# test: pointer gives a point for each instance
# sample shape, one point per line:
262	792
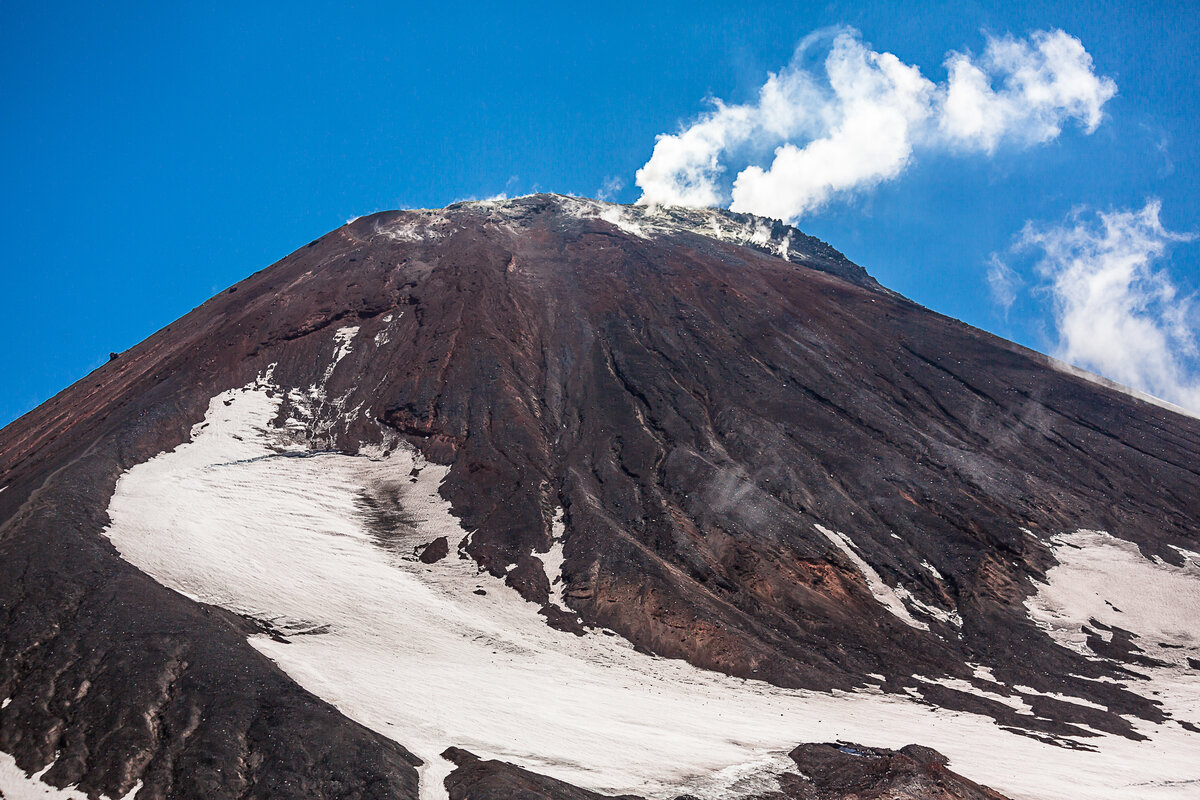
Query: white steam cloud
857	118
1116	312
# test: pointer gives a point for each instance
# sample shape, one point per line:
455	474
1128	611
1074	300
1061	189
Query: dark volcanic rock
845	771
435	551
924	755
693	402
477	779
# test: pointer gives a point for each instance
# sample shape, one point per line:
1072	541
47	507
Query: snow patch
1107	580
880	590
621	217
648	221
342	338
1066	698
966	687
415	226
616	216
314	414
16	785
983	673
951	618
384	335
1100	577
1192	559
236	519
406	231
752	779
552	559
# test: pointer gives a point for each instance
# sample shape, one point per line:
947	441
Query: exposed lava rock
477	779
435	551
846	771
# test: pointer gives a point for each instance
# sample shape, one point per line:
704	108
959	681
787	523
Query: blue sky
153	155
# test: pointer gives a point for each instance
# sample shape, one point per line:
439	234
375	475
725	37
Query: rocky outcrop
847	771
484	779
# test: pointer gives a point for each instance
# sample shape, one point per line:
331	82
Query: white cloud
1043	82
879	102
611	187
1115	311
1004	283
857	119
684	167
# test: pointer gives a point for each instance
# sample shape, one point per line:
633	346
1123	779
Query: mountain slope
706	433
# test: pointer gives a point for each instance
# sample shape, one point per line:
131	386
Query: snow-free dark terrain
594	500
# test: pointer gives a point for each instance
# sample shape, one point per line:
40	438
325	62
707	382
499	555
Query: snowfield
16	785
1100	578
244	517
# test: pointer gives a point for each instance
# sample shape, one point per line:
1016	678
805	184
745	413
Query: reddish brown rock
478	779
847	771
435	551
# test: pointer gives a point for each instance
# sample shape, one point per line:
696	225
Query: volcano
554	498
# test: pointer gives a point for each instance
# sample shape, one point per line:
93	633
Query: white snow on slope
414	226
983	673
342	338
313	413
385	333
880	590
617	216
1066	698
552	560
897	599
1107	579
1100	577
966	687
16	785
647	222
410	651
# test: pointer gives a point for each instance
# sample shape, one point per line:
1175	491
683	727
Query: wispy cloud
612	186
1004	283
858	117
1116	310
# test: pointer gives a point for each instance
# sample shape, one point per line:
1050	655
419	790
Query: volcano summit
552	498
